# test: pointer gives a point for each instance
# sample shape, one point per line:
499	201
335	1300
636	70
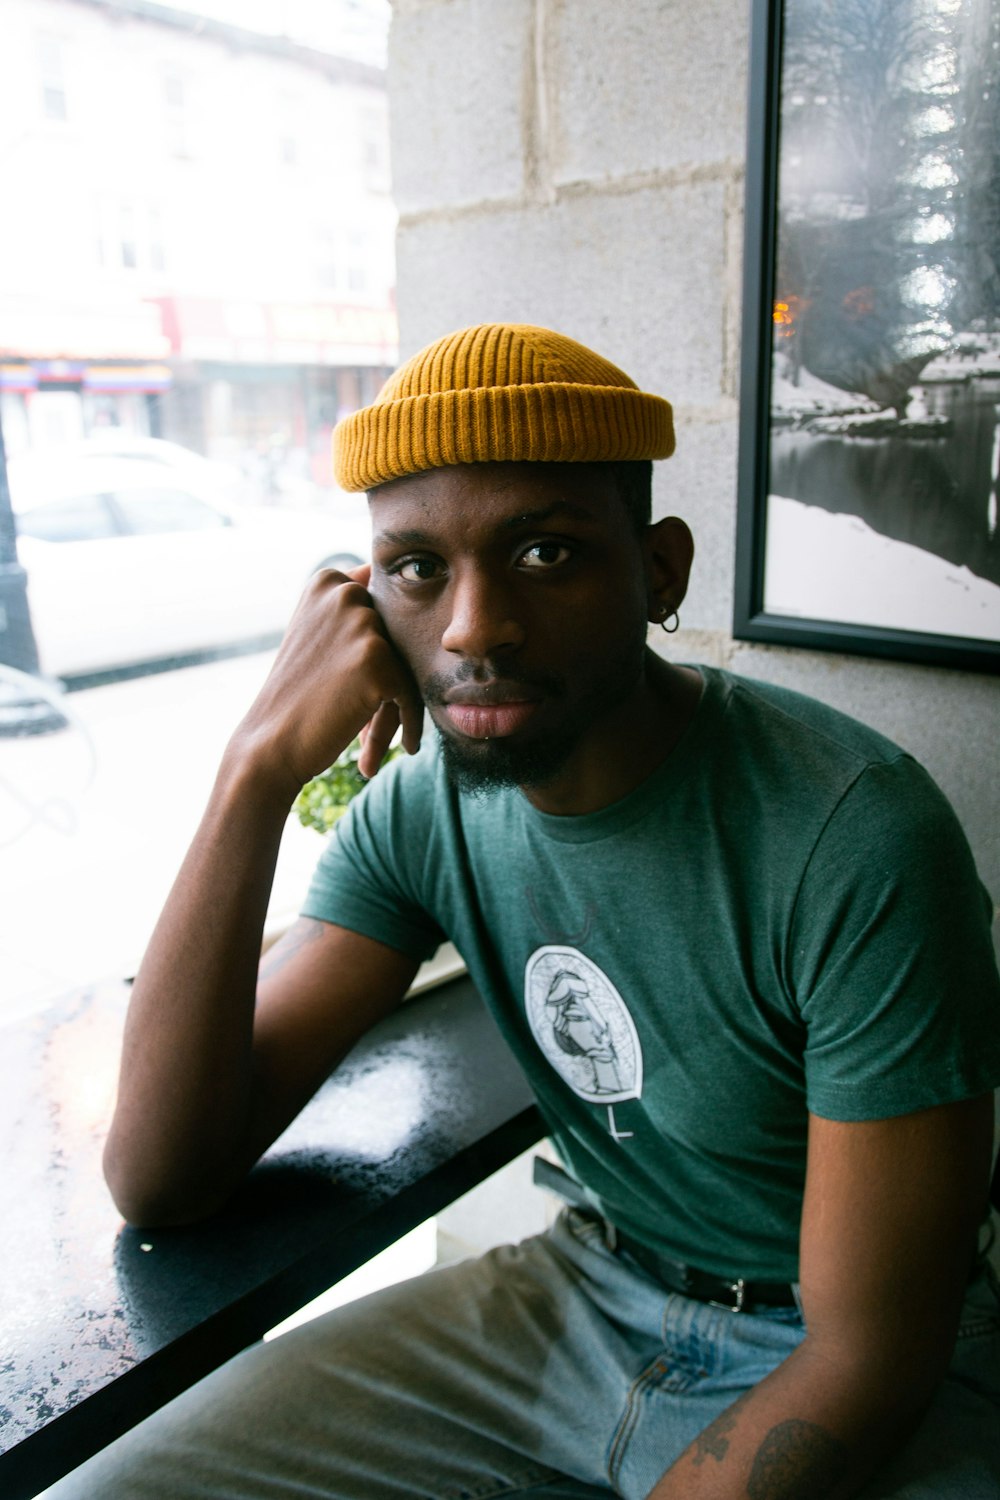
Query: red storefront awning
313	333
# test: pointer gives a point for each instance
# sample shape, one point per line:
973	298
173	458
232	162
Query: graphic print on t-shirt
582	1025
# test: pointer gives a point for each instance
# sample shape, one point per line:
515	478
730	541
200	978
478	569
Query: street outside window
203	287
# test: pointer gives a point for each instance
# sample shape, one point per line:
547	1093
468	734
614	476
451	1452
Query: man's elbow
149	1200
892	1372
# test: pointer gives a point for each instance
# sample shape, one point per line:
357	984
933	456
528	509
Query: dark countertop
101	1323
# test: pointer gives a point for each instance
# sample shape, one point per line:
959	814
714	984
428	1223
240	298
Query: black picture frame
753	620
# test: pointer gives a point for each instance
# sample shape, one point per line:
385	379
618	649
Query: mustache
438	685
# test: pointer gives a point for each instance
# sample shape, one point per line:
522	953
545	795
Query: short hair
632	478
634	482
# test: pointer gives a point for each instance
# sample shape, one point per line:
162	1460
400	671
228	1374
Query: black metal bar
758	295
17	639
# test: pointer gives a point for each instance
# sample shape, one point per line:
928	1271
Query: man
735	939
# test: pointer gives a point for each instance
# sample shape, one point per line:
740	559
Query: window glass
49	61
82	518
203	287
145	512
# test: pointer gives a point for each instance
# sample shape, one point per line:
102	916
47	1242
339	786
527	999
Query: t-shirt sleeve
890	955
370	875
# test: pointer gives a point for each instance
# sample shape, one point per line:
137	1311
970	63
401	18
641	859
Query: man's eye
544	555
417	569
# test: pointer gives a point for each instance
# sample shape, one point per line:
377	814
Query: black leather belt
739	1295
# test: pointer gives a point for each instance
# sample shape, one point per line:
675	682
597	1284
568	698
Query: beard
480	768
491	766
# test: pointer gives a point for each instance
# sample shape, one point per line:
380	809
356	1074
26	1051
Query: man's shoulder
764	713
857	807
797	761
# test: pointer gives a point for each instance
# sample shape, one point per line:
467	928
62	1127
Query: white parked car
113	442
130	561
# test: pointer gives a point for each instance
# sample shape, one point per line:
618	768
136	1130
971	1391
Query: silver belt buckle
739	1291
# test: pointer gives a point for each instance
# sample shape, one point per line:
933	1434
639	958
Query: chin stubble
494	765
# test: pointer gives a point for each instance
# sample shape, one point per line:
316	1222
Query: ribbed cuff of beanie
550	423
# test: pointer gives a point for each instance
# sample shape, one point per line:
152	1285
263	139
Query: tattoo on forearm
299	936
797	1461
714	1441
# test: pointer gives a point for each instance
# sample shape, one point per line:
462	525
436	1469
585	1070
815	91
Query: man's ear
670	552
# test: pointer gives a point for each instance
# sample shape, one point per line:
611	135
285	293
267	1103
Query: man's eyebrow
403	539
414	538
537	517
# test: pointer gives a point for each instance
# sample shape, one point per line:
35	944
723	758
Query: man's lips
486	711
489	721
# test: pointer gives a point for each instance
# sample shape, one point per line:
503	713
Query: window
357	263
132	236
289	127
175	115
326	256
147	512
373	142
50	72
83	518
154	240
179	386
128	255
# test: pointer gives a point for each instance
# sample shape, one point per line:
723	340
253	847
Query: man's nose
484	618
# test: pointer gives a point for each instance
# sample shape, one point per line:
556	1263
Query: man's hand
336	675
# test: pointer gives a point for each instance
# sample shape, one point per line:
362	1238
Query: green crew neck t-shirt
783	917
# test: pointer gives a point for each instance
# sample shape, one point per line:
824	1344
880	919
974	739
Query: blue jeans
554	1368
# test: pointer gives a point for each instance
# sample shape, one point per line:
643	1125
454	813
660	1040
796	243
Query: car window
81	518
146	512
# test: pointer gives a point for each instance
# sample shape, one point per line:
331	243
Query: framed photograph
870	406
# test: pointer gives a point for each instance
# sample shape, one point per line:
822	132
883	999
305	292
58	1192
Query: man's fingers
411	714
377	737
338	637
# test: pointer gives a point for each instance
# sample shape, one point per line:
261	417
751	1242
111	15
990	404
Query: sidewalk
95	819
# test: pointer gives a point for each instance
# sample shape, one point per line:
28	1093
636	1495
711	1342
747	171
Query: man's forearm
185	1092
185	1129
811	1430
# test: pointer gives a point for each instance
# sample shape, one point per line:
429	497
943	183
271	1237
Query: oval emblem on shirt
582	1025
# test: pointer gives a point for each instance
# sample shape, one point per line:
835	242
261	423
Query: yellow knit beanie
500	391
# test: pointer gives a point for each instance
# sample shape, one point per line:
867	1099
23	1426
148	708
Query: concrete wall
580	164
